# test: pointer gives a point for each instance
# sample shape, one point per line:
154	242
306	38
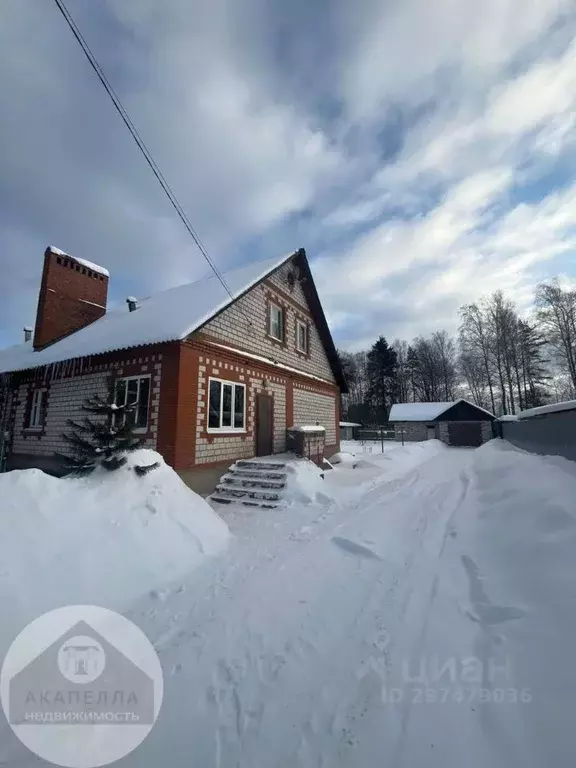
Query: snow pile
105	539
305	484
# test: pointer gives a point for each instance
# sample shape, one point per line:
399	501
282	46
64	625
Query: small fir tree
102	441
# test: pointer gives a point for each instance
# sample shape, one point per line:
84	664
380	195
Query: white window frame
302	324
35	420
120	422
231	428
280	309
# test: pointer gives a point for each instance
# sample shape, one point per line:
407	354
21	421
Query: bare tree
475	346
444	351
404	391
556	314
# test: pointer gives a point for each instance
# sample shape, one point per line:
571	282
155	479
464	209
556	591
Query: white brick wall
214	448
244	326
66	397
310	407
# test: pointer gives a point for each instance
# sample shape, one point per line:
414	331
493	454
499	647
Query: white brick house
217	378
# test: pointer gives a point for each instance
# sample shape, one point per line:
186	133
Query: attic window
301	336
276	322
58	260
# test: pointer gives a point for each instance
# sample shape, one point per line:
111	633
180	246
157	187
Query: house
216	378
455	423
348	430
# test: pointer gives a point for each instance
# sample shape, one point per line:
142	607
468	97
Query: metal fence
550	434
374	434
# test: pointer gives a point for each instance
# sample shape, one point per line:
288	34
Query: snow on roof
57	251
426	411
417	411
308	428
83	262
349	424
508	417
567	405
167	316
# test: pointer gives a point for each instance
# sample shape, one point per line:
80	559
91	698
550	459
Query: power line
139	141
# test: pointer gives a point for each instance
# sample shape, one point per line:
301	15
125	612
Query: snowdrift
104	539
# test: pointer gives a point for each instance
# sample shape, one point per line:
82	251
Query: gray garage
458	423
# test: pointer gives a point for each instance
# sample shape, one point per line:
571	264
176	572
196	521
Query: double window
301	336
226	406
37	412
276	322
133	390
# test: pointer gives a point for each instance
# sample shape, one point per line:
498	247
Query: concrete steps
253	484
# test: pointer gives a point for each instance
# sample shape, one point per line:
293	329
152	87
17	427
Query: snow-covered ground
420	612
105	539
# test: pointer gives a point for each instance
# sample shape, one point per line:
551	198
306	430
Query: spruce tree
105	440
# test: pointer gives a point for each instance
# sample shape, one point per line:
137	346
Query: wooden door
264	425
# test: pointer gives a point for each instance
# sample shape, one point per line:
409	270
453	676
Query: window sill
275	340
140	431
33	429
225	431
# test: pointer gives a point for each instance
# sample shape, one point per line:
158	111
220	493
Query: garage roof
426	411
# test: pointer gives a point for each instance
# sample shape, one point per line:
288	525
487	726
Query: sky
424	153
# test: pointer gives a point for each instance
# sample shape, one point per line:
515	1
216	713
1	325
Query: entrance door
264	425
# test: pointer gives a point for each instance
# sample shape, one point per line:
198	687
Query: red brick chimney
73	294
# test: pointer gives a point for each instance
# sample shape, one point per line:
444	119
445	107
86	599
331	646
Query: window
301	336
133	390
226	406
37	409
276	326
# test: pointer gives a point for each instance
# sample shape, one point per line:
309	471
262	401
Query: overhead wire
140	142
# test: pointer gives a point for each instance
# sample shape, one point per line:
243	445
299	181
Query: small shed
459	423
348	430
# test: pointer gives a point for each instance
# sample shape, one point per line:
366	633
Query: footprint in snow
354	548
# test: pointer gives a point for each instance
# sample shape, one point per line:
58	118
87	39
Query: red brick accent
168	409
71	297
289	403
187	408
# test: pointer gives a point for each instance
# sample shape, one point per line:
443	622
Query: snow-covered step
251	474
234	480
256	465
232	492
252	483
245	502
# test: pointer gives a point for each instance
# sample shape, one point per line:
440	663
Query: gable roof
171	315
426	411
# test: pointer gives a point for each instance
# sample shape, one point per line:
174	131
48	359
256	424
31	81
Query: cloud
412	147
